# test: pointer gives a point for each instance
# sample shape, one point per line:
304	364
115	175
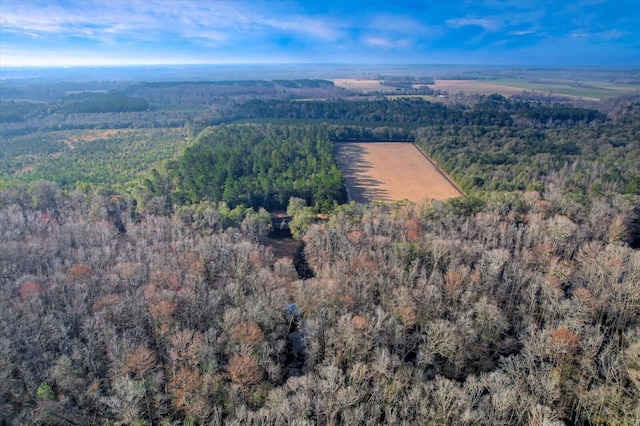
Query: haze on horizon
137	32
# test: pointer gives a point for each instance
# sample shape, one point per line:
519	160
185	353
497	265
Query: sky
487	32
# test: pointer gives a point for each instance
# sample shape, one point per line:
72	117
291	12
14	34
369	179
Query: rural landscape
477	252
317	223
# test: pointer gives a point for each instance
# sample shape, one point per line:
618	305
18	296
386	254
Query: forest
138	285
416	112
255	166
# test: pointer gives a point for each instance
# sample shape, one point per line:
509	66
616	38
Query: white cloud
387	43
316	27
391	31
489	24
207	23
378	42
396	23
523	32
579	34
292	28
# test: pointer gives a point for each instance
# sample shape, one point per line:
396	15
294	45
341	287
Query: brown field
506	87
392	171
451	86
483	87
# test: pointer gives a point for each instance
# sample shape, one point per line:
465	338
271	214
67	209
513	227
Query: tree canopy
254	165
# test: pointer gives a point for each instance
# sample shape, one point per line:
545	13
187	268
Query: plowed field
392	171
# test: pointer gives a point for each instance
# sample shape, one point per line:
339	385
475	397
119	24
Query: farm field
589	90
475	86
391	171
509	87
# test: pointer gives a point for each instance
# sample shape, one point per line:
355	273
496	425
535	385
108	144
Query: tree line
494	110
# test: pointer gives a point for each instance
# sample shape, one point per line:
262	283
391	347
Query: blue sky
501	32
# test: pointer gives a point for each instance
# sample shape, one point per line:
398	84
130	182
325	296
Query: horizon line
223	64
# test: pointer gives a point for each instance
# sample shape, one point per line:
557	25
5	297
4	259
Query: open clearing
508	87
392	171
591	90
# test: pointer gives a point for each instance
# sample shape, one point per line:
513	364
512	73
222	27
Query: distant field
391	171
512	86
597	91
507	87
481	87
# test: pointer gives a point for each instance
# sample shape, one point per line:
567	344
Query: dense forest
599	158
416	111
138	285
256	166
523	309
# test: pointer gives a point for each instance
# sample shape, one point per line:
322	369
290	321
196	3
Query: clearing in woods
392	171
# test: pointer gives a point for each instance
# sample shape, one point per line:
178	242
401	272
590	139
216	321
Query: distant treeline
201	104
298	83
18	111
89	102
102	102
399	111
220	92
496	111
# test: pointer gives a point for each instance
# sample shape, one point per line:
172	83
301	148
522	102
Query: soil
392	171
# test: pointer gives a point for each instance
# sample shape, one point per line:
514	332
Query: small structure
280	227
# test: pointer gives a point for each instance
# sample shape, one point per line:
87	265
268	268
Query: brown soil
392	171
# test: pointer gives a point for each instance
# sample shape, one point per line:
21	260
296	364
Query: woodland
138	285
